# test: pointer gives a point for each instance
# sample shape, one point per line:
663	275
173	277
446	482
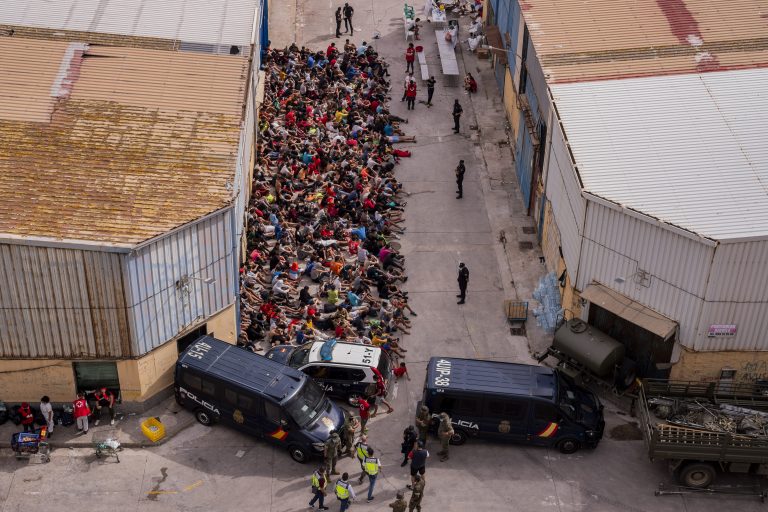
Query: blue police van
512	402
223	383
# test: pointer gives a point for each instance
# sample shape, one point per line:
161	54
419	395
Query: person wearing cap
104	398
417	493
399	505
331	451
423	420
444	433
319	483
463	282
460	170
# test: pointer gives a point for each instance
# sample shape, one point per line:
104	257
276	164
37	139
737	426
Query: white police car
344	370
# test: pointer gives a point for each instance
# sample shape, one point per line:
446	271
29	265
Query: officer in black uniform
463	281
460	170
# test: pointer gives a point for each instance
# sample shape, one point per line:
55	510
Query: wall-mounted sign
721	330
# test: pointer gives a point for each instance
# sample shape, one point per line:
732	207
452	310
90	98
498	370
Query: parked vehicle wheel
204	417
459	437
568	446
298	453
697	474
352	399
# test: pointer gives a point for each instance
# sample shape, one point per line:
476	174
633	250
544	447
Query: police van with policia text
512	402
223	383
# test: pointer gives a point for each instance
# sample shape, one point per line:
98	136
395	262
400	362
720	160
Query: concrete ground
220	469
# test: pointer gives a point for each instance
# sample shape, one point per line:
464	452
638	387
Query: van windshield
572	400
307	404
300	357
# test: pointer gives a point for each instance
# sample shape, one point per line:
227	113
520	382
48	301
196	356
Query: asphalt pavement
217	468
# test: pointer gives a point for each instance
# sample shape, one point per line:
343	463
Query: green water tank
589	346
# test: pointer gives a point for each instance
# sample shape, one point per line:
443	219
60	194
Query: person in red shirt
410	96
400	371
364	407
27	418
81	412
104	398
410	55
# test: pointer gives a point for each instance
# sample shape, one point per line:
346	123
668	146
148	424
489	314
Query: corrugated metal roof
227	22
688	150
607	39
114	145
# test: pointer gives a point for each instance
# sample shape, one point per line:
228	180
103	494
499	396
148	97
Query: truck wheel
568	446
204	417
298	453
459	437
698	475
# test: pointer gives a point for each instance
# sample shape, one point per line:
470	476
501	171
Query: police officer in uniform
460	170
445	433
372	465
319	483
331	452
361	451
422	423
399	505
463	282
417	494
348	434
344	492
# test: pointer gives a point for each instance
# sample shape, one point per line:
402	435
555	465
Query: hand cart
28	445
106	444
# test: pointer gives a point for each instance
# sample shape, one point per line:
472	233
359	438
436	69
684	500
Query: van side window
209	387
192	381
357	375
513	410
317	372
466	406
545	412
272	412
239	400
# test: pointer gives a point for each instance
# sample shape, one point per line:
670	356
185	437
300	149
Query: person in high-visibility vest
361	452
344	492
319	483
372	465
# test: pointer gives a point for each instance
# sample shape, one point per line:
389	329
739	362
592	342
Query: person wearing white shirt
47	411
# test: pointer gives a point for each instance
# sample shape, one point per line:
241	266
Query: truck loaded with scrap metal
703	429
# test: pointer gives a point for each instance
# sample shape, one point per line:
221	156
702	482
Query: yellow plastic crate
153	428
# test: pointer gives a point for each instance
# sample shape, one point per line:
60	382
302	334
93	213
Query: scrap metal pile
702	415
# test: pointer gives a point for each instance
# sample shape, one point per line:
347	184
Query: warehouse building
126	153
639	149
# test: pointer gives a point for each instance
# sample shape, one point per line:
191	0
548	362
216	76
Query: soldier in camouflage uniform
445	433
348	434
399	505
332	451
418	493
422	422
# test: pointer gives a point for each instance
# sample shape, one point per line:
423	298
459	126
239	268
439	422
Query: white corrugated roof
689	150
227	22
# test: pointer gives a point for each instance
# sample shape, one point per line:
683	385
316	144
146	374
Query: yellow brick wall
222	325
510	105
706	366
28	380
